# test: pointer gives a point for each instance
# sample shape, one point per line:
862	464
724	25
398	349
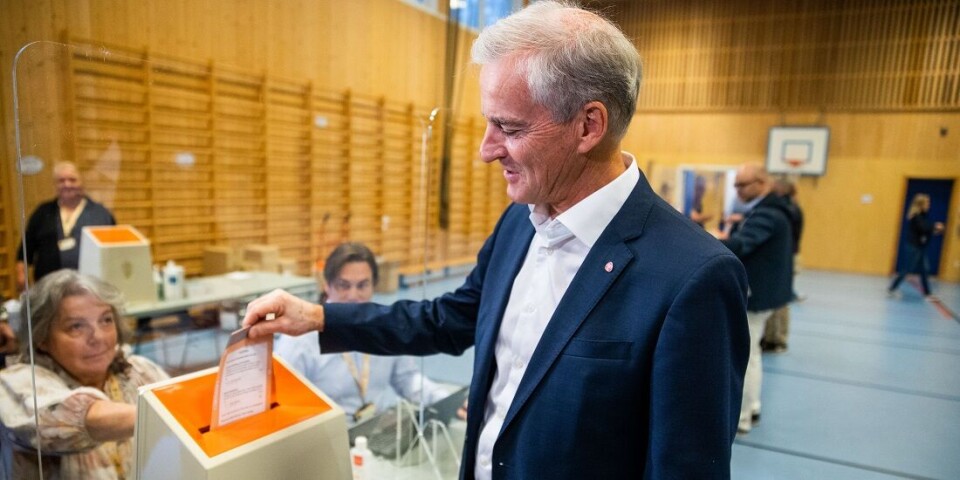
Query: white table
239	286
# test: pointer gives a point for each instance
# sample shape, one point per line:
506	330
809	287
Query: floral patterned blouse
68	450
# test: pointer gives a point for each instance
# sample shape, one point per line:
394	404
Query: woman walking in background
921	229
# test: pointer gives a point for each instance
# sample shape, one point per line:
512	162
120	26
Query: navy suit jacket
763	242
639	372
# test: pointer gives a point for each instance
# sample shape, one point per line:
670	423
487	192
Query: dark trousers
918	264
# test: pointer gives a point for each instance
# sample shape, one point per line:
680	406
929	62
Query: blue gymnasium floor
869	389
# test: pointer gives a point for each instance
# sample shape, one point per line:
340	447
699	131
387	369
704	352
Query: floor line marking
853	383
796	453
937	303
878	343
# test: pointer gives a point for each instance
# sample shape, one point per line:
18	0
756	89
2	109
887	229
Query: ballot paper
245	379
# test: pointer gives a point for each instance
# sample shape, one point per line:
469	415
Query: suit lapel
503	269
588	287
504	265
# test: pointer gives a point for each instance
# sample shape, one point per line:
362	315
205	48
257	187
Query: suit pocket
598	349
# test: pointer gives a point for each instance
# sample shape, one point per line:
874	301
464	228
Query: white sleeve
302	353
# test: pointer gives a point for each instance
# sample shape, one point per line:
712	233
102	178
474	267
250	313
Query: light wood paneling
882	74
243	83
197	154
870	154
819	54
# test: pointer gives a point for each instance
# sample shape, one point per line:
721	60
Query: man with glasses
762	240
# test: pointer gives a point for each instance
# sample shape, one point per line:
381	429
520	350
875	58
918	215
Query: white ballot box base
120	256
302	435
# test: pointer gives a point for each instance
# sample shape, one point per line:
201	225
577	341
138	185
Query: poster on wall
708	196
663	179
798	150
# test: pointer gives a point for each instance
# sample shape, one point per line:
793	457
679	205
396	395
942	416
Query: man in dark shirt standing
53	231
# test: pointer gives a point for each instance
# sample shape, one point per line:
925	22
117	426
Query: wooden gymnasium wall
310	136
884	75
271	161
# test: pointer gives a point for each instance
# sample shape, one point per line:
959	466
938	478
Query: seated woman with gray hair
86	384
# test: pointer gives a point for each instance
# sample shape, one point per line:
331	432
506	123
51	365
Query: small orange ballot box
302	435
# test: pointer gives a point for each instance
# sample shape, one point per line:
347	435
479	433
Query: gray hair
569	57
49	292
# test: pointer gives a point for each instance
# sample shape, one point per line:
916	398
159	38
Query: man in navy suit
610	331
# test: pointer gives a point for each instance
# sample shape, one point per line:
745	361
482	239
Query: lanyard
362	380
113	390
70	220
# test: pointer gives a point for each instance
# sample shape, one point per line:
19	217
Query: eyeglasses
740	185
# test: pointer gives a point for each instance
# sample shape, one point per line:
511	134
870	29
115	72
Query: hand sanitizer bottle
360	457
172	281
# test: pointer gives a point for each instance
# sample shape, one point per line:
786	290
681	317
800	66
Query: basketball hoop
794	162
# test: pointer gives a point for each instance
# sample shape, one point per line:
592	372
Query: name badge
68	243
365	412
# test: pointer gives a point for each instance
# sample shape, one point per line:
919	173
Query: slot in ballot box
302	435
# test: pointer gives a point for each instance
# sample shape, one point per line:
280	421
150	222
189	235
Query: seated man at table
361	384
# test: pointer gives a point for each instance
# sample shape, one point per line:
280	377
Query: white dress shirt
331	374
556	252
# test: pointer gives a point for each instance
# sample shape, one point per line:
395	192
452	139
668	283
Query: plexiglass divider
233	184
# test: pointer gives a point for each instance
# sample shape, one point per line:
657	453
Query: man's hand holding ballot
291	315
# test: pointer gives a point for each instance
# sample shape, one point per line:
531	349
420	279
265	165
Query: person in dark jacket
775	337
921	229
53	231
762	240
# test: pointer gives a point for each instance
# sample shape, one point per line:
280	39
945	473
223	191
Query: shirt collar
753	203
588	218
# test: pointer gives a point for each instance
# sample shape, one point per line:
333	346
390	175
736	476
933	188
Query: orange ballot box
302	435
119	255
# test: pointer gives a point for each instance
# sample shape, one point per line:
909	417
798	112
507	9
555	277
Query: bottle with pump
172	281
360	457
